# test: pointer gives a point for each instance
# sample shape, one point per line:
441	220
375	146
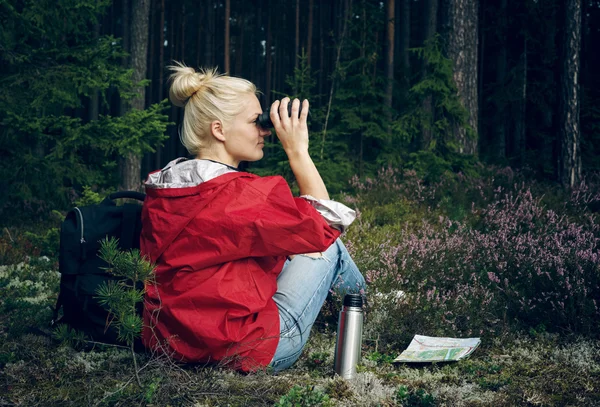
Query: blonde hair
206	96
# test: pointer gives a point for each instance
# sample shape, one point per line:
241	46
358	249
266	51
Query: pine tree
54	63
446	113
123	298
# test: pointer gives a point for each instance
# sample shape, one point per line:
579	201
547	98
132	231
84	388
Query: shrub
512	261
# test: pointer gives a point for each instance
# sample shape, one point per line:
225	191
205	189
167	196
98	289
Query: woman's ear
216	128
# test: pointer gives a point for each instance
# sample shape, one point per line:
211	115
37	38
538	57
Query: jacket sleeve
335	213
281	224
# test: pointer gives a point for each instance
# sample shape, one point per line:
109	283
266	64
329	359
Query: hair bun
185	82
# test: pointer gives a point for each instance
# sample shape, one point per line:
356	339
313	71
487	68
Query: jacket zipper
82	240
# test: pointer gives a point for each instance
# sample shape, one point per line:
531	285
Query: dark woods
398	83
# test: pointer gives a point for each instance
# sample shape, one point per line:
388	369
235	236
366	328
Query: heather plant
510	261
541	264
427	186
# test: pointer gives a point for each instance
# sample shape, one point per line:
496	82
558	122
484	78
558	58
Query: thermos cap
353	300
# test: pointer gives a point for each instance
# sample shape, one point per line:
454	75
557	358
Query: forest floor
526	369
541	371
445	244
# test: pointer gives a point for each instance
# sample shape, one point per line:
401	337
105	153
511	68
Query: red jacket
219	247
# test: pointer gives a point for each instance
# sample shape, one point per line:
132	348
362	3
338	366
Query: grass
545	370
516	364
532	368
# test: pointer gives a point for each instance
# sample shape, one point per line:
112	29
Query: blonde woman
243	267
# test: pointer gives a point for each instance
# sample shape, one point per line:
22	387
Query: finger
304	111
283	111
274	114
295	108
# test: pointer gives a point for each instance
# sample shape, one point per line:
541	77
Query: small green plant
380	358
305	396
69	337
317	359
414	398
402	394
122	298
151	389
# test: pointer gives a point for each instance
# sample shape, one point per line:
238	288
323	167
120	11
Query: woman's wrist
297	153
307	176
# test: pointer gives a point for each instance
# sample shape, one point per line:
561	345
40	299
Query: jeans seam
300	315
295	355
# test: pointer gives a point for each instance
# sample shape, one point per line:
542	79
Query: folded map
432	349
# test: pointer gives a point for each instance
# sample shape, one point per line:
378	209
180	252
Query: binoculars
264	120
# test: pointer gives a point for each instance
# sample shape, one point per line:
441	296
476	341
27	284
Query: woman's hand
291	131
293	134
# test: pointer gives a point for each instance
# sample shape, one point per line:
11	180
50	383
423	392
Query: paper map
431	349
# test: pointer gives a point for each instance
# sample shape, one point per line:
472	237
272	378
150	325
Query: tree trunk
181	42
430	28
256	41
463	40
94	109
139	64
309	34
321	69
239	47
161	73
498	132
519	134
480	76
570	143
148	159
404	42
131	167
297	44
227	33
269	61
363	41
389	65
347	12
126	32
200	29
208	35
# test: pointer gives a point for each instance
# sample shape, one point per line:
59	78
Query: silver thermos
349	337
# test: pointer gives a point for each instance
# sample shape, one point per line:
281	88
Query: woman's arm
293	134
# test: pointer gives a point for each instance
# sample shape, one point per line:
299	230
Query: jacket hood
184	173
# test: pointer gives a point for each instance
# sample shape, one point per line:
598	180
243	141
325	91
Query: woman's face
244	138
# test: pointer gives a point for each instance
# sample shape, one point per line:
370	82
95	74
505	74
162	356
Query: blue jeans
302	288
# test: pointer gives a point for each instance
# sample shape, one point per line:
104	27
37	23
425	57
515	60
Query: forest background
464	133
404	83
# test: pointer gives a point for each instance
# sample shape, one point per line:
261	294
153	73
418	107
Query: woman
228	287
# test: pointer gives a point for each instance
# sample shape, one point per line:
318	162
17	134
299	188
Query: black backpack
82	270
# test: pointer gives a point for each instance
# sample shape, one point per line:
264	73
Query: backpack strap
128	225
130	217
